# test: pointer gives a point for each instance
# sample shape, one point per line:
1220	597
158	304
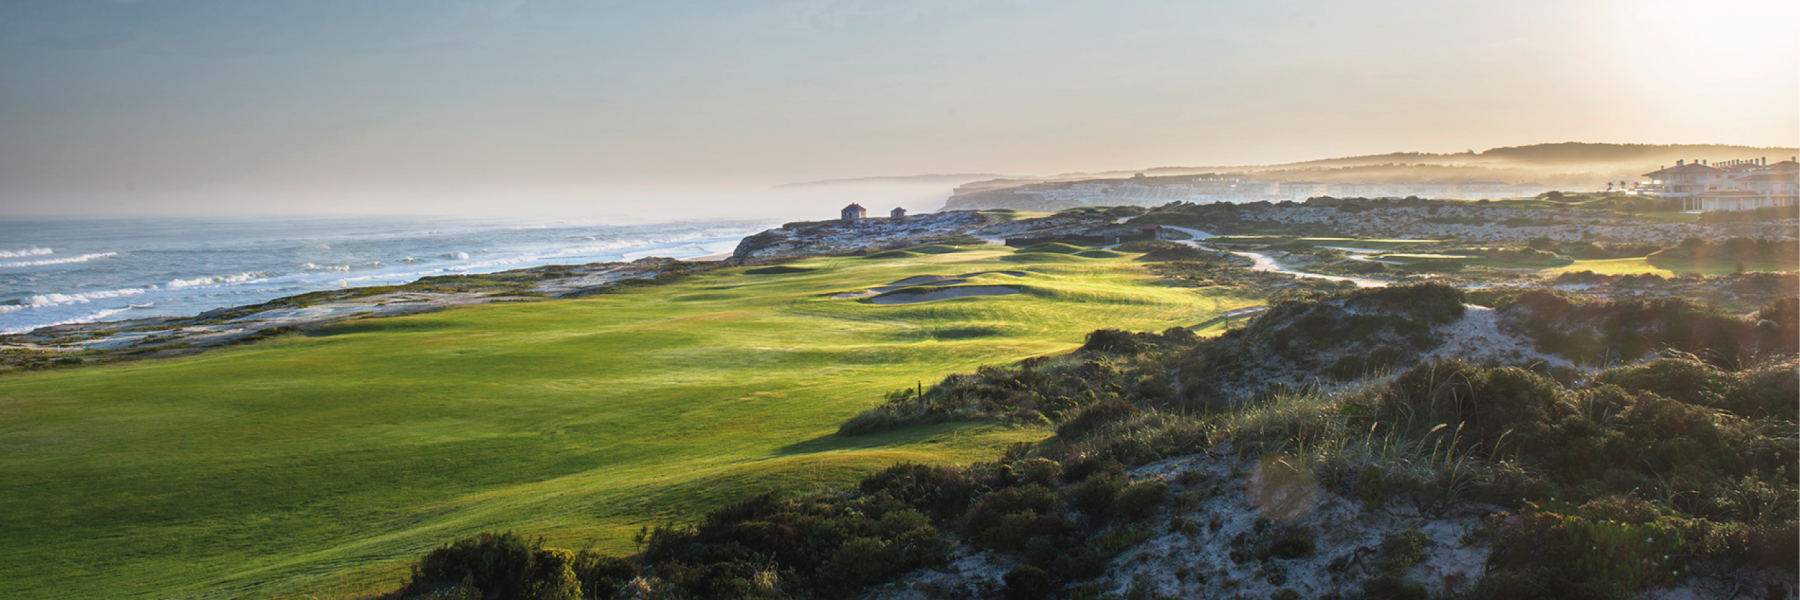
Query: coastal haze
705	109
813	299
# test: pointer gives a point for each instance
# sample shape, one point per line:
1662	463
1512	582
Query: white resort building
1730	185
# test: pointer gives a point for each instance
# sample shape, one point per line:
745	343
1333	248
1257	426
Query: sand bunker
963	291
921	280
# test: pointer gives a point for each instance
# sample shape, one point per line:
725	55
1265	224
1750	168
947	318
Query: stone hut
853	212
897	212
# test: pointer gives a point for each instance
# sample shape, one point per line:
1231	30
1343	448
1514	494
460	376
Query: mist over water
69	271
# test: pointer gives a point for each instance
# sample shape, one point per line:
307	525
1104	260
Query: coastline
72	344
109	341
79	272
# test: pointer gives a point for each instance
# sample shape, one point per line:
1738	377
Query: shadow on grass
904	436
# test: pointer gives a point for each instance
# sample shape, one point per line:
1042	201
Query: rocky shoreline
75	344
108	341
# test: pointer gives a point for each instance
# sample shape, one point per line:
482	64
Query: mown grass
1007	214
318	465
1636	266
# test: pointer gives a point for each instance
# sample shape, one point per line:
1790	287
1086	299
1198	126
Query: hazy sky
175	106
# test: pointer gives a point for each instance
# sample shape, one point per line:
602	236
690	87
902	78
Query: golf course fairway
321	464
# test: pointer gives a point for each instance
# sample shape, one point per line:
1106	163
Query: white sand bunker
961	291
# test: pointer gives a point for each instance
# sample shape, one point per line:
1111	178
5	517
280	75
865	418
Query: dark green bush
1028	583
1005	518
1110	340
602	576
1139	499
1399	552
1094	418
503	565
1096	494
1295	544
1585	557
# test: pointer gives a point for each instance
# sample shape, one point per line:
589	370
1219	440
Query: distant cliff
1509	172
825	237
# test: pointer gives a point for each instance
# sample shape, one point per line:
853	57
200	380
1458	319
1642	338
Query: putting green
320	465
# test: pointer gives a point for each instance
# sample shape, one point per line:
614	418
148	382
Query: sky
176	107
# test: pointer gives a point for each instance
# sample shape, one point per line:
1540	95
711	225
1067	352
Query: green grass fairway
321	464
1007	214
1635	266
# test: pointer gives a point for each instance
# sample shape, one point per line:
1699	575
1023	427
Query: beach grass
320	465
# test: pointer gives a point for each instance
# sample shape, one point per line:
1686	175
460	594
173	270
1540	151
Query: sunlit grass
1637	266
321	464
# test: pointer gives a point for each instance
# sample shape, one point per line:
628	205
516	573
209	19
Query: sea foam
25	252
56	261
43	300
216	280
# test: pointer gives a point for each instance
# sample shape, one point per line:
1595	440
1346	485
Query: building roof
1687	169
855	206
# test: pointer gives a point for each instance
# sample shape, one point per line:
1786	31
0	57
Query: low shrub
500	565
1139	499
1599	557
1027	582
1400	552
1095	495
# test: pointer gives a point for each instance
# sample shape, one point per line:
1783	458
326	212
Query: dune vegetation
320	464
1666	466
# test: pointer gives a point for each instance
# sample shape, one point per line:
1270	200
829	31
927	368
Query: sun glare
1673	54
1741	32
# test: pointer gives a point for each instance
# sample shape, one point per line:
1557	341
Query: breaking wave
25	252
56	261
43	300
218	280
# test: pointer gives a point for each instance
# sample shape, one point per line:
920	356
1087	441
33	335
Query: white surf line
57	261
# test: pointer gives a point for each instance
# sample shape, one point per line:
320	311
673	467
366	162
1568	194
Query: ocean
80	271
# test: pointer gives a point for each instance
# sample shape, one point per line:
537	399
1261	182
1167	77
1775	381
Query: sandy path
1264	262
